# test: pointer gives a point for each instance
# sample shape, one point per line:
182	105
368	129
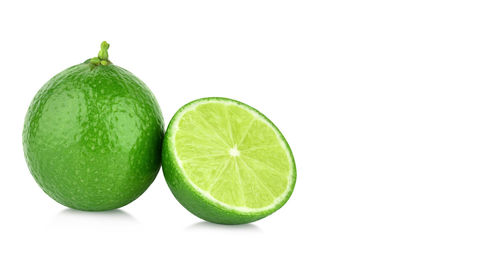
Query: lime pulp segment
233	155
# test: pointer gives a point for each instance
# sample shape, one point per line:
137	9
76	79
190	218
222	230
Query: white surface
391	109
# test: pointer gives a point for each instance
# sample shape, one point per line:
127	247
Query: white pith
233	152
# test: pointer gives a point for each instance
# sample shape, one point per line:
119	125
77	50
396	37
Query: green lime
226	162
92	136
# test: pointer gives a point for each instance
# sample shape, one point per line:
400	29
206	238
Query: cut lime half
226	162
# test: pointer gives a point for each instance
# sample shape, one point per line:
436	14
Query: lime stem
102	57
103	53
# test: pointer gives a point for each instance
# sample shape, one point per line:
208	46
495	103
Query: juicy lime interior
232	154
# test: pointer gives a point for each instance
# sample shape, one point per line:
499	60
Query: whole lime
92	136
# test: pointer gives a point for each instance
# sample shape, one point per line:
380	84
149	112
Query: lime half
226	162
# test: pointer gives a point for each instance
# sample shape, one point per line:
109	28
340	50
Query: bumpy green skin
192	199
92	137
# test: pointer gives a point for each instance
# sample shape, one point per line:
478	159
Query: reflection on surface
206	226
116	214
107	219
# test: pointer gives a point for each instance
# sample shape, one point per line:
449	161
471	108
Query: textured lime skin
192	199
92	137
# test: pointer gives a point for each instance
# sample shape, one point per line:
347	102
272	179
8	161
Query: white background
391	109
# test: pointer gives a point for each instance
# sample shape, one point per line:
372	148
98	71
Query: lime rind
243	214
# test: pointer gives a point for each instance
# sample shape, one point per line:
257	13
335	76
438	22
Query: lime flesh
226	162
